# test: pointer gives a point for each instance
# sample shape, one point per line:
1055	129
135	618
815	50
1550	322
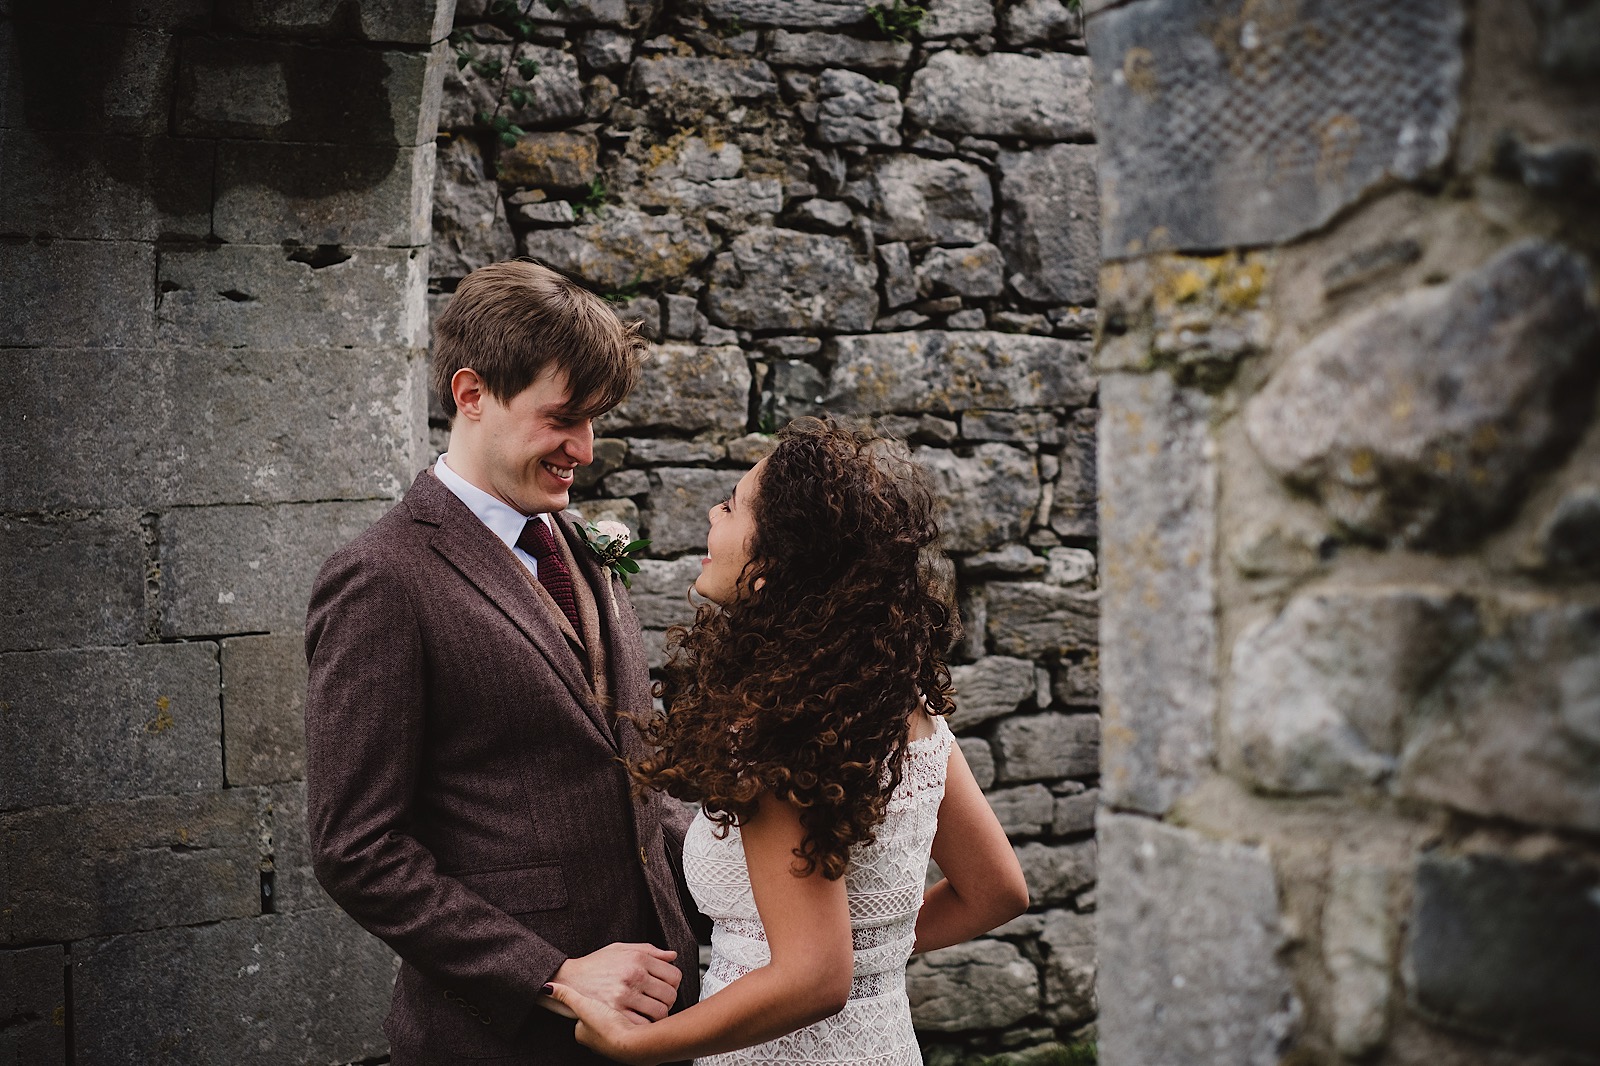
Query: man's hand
636	979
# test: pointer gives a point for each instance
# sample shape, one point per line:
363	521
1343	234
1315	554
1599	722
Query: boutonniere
609	541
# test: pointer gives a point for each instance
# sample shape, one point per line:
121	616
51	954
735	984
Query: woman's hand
613	1033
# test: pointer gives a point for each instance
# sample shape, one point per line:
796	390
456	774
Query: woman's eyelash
726	505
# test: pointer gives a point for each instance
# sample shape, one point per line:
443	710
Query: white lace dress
884	883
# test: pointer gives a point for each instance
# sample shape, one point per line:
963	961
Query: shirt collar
503	520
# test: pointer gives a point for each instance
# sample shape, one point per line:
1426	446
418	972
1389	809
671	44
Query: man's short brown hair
509	321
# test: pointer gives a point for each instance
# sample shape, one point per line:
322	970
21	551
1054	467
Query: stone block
389	22
683	88
976	271
773	278
982	984
280	91
1039	746
660	592
680	497
913	198
1050	222
1003	94
837	50
794	389
854	109
688	388
94	79
1024	811
263	709
987	497
470	228
980	759
101	724
1031	619
989	688
555	95
1039	22
230	295
249	569
1071	568
74	872
1189	937
664	451
790	13
899	283
1008	560
1219	129
1569	539
293	885
1074	510
33	1000
1512	728
1055	872
317	194
308	987
590	12
1423	419
949	372
1069	967
70	581
619	247
952	18
1078	681
552	160
1198	315
1158	481
74	294
122	188
605	50
1075	813
165	14
1505	948
1358	942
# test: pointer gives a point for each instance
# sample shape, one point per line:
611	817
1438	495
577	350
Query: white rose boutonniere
610	541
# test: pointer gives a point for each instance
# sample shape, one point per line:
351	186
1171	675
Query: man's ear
467	388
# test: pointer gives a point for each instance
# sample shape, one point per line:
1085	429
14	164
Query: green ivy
515	21
591	200
899	20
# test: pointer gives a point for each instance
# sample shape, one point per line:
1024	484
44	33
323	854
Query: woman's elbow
830	990
1014	899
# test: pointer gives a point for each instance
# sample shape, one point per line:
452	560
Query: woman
804	714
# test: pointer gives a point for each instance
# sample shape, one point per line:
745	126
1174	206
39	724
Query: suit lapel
619	628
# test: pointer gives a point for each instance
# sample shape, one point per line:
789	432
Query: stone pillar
212	252
1350	476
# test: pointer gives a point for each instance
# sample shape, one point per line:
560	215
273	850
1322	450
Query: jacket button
642	860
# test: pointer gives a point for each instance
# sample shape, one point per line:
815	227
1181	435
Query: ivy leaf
462	61
518	97
508	139
528	68
522	28
515	130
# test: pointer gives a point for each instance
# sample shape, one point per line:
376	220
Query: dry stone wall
810	214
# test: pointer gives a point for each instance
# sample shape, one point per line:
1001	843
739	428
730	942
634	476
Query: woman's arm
807	921
982	885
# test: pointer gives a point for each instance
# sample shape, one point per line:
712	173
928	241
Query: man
472	665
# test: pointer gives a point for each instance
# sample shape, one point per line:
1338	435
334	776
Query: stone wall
809	214
1350	489
213	227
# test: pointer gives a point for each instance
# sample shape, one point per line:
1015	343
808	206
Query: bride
804	714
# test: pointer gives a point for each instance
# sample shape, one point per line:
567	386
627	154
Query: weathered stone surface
977	272
989	688
688	175
1046	746
130	92
1321	692
76	294
837	49
1050	222
988	497
591	12
1358	949
951	18
1023	811
315	194
948	372
293	885
684	87
1421	419
980	759
675	520
72	872
1038	22
690	389
1069	967
1188	941
1074	510
1070	568
794	388
982	984
918	199
556	160
70	581
605	50
660	591
263	708
1008	560
784	279
108	723
554	95
899	283
792	13
824	214
1158	506
1034	619
1512	728
470	228
1003	94
243	569
1220	128
664	451
623	247
854	109
1569	540
1055	871
1198	315
1038	427
308	987
33	1000
1078	681
1478	919
1075	813
400	23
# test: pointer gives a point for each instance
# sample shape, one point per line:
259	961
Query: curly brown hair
804	686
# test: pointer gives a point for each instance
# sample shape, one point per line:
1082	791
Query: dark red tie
539	542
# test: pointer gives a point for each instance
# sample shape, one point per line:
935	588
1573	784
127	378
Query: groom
471	666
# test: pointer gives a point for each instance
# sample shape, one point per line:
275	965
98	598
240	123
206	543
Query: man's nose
580	444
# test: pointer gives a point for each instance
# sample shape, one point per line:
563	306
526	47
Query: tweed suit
465	787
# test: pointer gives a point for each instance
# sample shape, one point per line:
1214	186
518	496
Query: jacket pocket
519	889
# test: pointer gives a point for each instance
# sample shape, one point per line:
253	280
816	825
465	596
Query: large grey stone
899	283
1050	222
836	49
1221	126
1023	811
989	688
1569	539
949	372
248	569
1422	419
686	88
660	591
33	1000
952	18
555	95
982	984
696	180
263	709
688	389
1046	746
1038	620
1200	316
1321	692
622	247
1074	510
77	294
293	884
1075	813
792	13
306	987
1003	94
323	193
854	109
108	723
977	271
1188	944
470	228
1506	948
676	519
988	497
918	199
1054	872
1039	22
73	872
1069	966
1158	483
128	91
784	279
392	21
1359	932
980	759
71	581
794	388
1512	729
559	159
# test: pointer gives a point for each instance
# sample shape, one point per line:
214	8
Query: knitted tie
539	542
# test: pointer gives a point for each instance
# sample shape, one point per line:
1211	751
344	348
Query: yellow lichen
163	720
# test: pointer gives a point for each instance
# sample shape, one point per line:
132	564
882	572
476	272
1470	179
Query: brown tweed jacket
466	793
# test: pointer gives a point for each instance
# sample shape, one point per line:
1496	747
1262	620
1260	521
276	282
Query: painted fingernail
548	990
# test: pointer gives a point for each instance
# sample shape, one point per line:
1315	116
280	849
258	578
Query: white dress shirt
503	520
